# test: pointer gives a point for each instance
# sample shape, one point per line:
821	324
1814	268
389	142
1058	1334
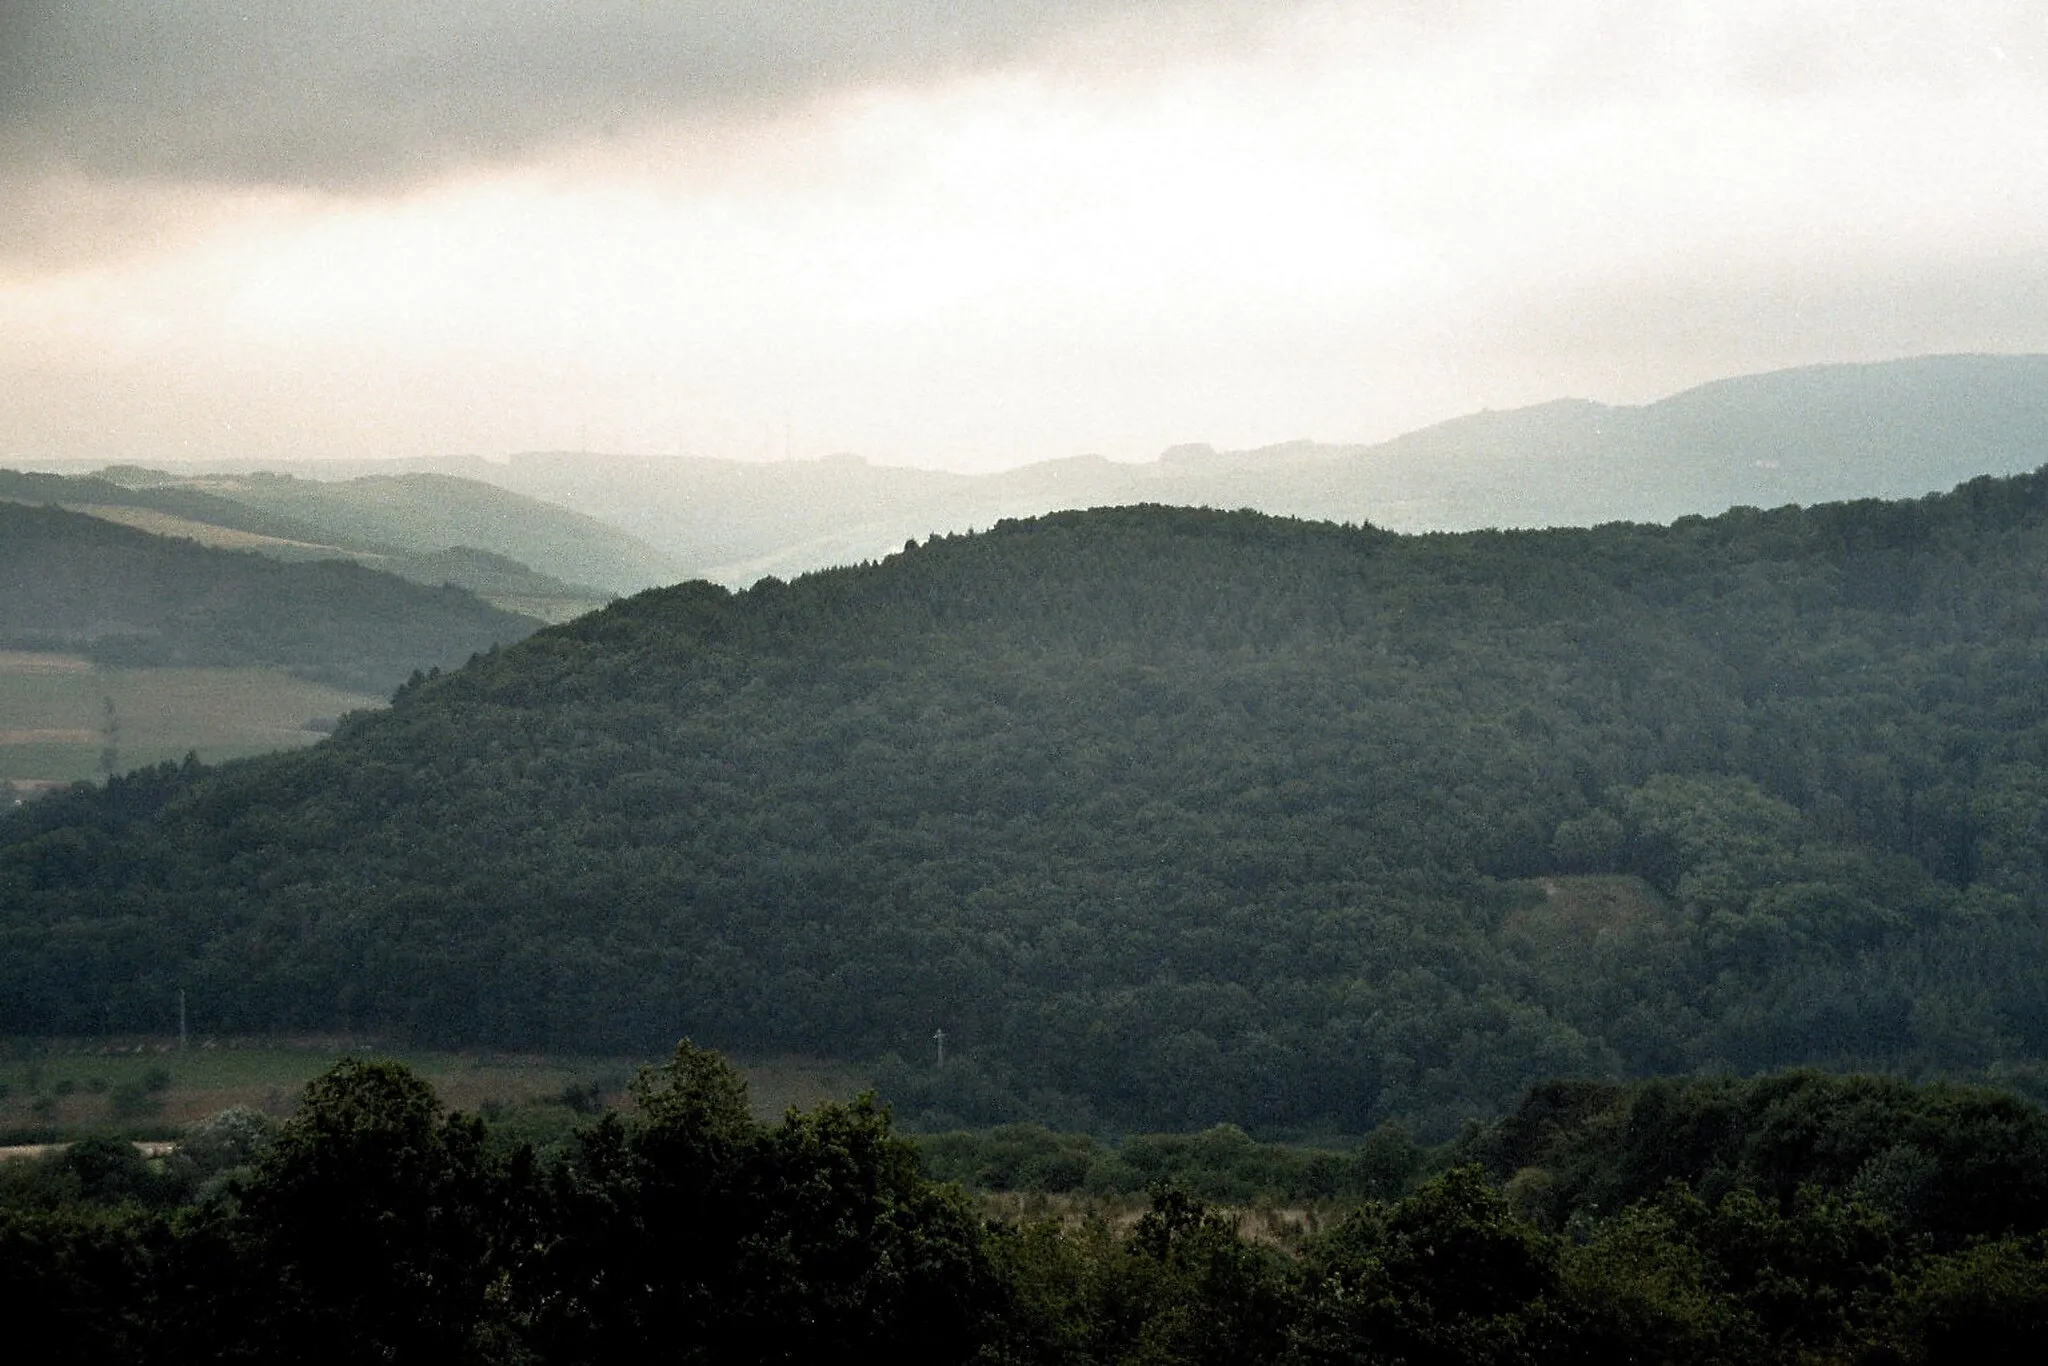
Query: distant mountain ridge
1809	435
1815	434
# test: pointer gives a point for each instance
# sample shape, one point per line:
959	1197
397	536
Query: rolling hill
168	505
1818	434
1163	816
126	598
426	513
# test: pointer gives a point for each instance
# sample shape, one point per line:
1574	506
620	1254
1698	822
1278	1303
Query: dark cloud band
346	92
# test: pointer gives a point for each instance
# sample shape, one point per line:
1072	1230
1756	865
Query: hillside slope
168	505
423	513
108	491
1163	816
124	597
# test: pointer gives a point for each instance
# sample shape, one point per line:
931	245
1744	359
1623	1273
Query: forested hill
1164	816
125	597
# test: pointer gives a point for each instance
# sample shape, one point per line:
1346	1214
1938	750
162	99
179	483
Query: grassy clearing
775	1085
552	610
62	1090
1580	918
59	715
1276	1225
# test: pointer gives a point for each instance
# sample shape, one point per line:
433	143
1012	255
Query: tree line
373	1225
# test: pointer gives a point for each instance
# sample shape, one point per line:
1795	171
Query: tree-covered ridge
131	599
1164	816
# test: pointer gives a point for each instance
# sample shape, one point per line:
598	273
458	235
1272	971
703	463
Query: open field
65	1089
59	715
1582	919
204	533
1280	1225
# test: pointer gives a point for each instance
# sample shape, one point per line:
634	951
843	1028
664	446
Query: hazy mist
974	238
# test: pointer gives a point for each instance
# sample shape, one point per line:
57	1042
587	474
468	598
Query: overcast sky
976	234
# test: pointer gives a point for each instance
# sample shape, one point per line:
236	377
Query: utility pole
939	1037
182	1038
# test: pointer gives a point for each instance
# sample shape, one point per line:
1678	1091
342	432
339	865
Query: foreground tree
371	1219
691	1233
1448	1277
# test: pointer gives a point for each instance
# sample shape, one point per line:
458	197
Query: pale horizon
198	465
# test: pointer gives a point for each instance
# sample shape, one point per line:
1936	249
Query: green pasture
59	1090
59	714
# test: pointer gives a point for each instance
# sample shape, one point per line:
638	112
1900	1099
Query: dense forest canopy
1164	816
